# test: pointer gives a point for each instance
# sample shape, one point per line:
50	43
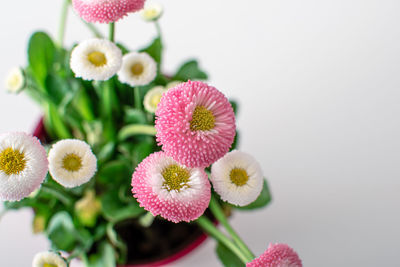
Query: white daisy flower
15	80
151	11
137	69
48	259
237	178
72	162
96	59
152	98
23	165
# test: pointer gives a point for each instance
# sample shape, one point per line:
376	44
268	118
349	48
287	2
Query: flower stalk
63	21
209	227
217	211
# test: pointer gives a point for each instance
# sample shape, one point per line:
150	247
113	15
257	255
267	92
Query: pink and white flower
164	187
277	255
195	124
23	165
106	11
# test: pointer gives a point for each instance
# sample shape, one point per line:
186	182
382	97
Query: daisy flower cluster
24	164
124	150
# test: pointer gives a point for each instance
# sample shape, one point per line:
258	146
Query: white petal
72	178
230	192
86	70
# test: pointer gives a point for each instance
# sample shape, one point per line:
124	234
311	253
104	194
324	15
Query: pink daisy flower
195	124
106	11
164	187
277	255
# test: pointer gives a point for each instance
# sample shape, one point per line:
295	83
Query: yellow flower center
175	177
202	119
150	13
14	81
155	99
72	162
49	265
239	176
12	161
137	69
97	58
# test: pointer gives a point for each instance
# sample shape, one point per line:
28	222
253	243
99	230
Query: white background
318	83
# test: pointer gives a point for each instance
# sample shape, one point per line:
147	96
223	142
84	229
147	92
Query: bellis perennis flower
164	187
23	165
151	11
96	59
15	80
152	98
237	178
277	255
72	162
48	259
195	124
137	69
106	11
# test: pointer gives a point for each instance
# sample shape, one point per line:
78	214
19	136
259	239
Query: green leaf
104	258
235	141
134	116
56	87
190	71
114	172
83	104
115	210
106	152
141	151
226	256
41	51
56	124
116	241
263	199
123	48
234	105
61	231
154	50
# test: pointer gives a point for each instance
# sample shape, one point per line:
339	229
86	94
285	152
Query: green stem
93	29
61	196
111	35
63	21
158	28
219	214
137	98
136	129
209	227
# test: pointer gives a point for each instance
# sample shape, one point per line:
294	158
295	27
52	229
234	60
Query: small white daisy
137	69
48	259
23	165
15	80
151	11
152	98
96	59
72	162
237	178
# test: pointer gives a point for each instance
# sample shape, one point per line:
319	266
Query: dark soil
157	242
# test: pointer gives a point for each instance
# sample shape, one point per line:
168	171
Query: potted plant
134	166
